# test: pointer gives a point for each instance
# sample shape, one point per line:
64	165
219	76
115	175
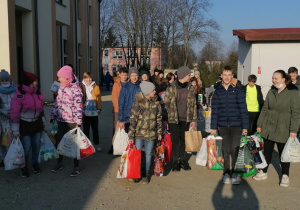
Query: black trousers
268	151
253	117
62	129
231	141
88	122
178	140
127	125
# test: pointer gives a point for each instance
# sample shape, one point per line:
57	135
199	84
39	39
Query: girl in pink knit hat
67	111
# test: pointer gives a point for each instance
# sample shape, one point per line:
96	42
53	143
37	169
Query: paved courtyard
98	188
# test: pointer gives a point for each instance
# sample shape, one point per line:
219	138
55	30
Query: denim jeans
148	146
31	142
3	151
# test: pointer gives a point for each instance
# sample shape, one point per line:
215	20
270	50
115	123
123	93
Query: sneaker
57	167
146	179
176	166
285	181
2	163
76	171
36	169
260	176
226	179
24	172
185	165
98	148
235	179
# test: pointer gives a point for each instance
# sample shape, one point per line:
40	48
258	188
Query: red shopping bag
168	147
130	164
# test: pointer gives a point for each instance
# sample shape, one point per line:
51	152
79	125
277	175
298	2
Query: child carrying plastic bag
15	157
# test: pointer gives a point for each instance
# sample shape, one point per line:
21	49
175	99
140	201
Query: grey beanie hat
4	75
133	70
183	71
147	87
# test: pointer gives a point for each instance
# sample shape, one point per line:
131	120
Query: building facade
114	58
263	51
41	36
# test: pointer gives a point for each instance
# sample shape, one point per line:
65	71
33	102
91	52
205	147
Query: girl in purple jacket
67	111
27	119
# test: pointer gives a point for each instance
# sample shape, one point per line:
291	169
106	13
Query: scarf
8	90
88	90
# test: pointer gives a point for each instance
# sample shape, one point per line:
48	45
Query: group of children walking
22	111
145	109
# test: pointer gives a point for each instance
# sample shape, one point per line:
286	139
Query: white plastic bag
68	144
201	158
291	151
121	141
85	147
47	149
15	157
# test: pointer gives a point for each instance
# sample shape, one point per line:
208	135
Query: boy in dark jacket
229	116
254	100
127	97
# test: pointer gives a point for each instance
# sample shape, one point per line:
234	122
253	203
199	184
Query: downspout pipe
76	38
37	41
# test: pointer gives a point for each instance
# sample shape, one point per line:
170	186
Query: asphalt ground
98	188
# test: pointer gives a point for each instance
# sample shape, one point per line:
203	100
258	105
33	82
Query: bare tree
193	23
106	23
136	24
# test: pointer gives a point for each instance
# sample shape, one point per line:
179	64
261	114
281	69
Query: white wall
4	34
269	56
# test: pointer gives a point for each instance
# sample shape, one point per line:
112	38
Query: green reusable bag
244	165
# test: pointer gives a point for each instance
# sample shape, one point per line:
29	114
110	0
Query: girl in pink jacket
27	119
67	111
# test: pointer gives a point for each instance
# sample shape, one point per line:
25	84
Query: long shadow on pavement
60	191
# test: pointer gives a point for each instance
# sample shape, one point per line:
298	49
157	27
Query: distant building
263	51
114	58
40	36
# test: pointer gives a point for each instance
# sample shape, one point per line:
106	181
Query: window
117	54
106	52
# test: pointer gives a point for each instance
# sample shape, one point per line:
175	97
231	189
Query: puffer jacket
28	105
68	105
6	94
171	107
126	99
229	108
145	118
280	114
